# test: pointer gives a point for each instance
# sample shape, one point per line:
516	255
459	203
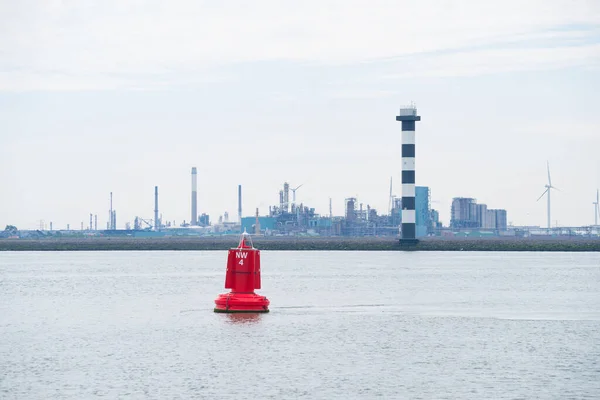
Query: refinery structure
408	217
289	217
286	216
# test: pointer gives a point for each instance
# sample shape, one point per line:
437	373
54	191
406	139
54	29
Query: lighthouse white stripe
409	216
408	190
408	137
408	163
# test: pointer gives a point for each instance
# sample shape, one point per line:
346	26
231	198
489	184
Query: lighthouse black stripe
408	150
408	177
408	231
408	203
408	125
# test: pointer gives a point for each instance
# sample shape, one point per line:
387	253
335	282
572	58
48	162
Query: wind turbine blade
542	195
556	188
597	196
549	181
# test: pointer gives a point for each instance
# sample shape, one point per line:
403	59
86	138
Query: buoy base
218	310
241	303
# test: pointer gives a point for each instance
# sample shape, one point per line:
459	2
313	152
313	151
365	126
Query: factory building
481	212
500	219
350	209
467	214
463	213
265	224
423	211
489	221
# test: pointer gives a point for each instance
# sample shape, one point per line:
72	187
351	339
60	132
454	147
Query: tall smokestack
240	203
156	223
110	214
194	197
95	222
257	224
91	226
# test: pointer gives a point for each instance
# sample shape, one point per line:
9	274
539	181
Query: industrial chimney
156	221
110	214
257	224
240	203
194	197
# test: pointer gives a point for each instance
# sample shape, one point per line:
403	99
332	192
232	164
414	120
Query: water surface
139	325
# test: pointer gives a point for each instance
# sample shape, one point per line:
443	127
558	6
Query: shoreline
569	244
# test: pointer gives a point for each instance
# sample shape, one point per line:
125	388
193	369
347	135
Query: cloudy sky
124	95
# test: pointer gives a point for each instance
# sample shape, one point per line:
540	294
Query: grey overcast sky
122	95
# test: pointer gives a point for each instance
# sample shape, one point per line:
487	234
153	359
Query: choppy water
353	325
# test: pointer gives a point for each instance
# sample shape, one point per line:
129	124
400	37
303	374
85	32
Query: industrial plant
408	217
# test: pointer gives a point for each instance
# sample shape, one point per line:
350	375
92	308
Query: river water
352	325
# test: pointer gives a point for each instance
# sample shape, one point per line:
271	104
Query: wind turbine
294	199
596	207
294	193
547	192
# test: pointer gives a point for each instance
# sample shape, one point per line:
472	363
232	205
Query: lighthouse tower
408	116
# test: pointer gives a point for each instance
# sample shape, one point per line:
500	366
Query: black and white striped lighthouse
408	116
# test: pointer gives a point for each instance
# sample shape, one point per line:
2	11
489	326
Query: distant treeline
302	243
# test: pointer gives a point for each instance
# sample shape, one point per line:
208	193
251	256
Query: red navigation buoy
242	277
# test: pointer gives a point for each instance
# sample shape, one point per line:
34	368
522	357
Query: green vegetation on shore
301	243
